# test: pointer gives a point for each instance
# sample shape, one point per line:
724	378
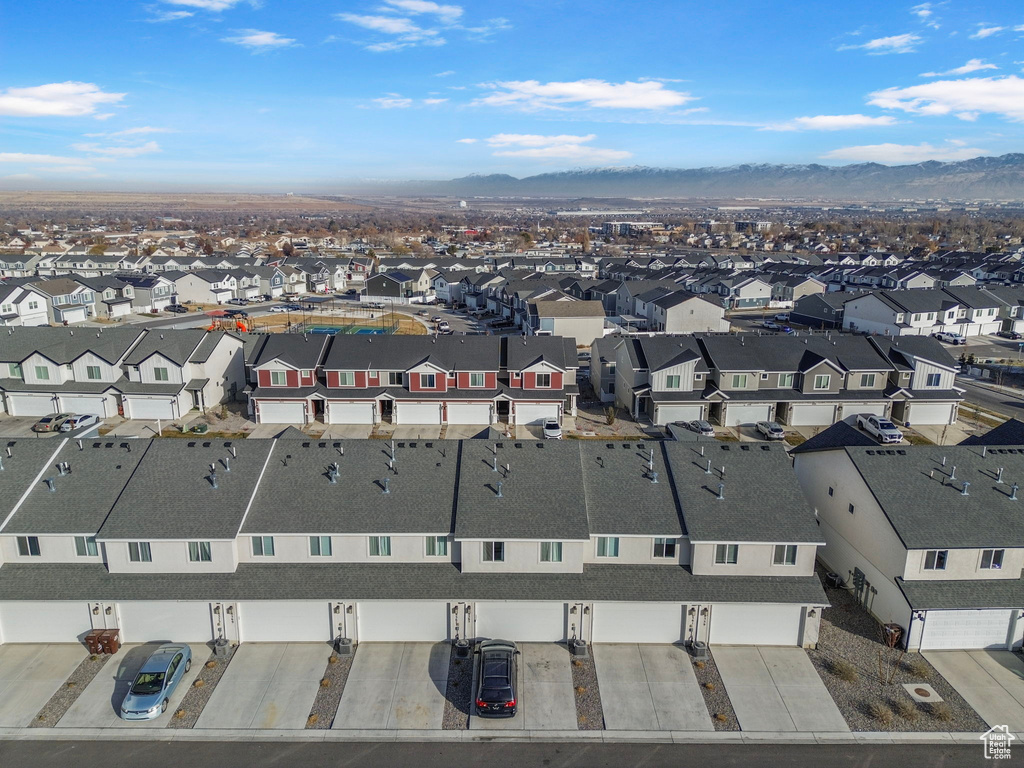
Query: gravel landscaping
715	696
202	689
847	660
589	714
458	694
328	696
69	692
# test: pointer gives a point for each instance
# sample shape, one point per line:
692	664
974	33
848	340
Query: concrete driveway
30	675
267	685
990	681
100	702
347	432
776	689
21	426
414	432
547	701
649	688
395	686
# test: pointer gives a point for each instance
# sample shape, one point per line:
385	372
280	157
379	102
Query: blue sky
292	95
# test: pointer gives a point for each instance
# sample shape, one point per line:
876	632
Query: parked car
176	309
496	691
51	423
436	319
950	338
77	422
552	429
235	313
700	426
153	687
351	292
443	325
279	308
770	325
782	317
239	302
771	430
881	428
292	307
1010	335
423	313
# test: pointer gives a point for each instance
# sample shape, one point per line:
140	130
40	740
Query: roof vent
721	491
766	447
744	447
50	484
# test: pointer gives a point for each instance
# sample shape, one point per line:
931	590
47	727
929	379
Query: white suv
950	338
880	427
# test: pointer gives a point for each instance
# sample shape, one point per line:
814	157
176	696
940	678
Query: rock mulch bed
328	697
458	695
187	715
716	698
589	713
72	688
847	660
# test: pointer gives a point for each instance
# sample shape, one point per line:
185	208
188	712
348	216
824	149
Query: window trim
666	543
161	373
322	550
785	550
393	375
382	545
939	559
284	378
607	541
494	548
28	546
435	541
936	377
42	372
727	554
554	552
425	377
143	552
669	381
483	380
827	381
265	551
87	543
349	375
200	552
867	380
993	555
737	378
537	381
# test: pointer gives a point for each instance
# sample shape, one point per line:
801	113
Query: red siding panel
293	378
332	378
529	380
360	379
491	380
263	378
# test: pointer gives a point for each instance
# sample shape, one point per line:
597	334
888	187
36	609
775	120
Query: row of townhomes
928	537
354	379
133	372
305	540
797	380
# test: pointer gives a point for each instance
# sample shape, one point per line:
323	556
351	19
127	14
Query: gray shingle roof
839	435
750	352
400	353
303	352
21	467
963	595
1008	433
176	346
63	345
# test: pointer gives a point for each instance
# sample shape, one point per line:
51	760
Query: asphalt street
992	399
160	754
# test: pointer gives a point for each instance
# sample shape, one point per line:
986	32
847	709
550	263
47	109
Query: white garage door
811	415
350	413
165	621
746	414
521	621
469	413
637	623
285	621
57	622
965	629
851	411
930	413
83	404
417	413
669	413
150	408
75	315
402	621
537	414
281	413
755	624
29	405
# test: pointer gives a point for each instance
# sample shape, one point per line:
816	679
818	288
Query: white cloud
434	101
597	94
259	40
446	73
30	159
104	116
973	65
964	98
925	13
393	102
162	16
143	149
560	147
466	141
984	32
70	99
407	33
206	5
448	14
831	123
904	153
142	129
882	45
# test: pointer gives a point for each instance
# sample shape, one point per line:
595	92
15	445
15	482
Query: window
346	379
935	559
899	317
727	554
85	546
427	381
831	491
42	373
867	380
394	378
851	509
934	379
140	552
917	318
320	546
991	559
380	546
822	381
199	552
278	378
161	374
371	374
263	546
543	381
739	381
664	547
15	370
551	551
785	554
437	546
33	305
476	379
786	379
608	546
28	546
494	552
672	382
92	372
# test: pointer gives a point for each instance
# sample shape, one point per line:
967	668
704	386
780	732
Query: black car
496	692
1010	335
235	313
176	309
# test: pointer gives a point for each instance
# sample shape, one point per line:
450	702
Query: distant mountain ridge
999	178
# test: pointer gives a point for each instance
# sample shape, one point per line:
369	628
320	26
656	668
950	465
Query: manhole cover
921	692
